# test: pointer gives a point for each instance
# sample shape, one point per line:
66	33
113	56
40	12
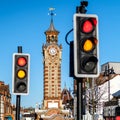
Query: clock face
52	51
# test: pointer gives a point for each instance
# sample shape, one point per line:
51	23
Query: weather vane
51	12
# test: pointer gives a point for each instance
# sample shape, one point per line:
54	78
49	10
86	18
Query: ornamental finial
51	9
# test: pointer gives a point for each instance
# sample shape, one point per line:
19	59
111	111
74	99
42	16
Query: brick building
6	110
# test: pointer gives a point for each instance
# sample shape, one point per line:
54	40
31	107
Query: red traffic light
21	70
86	45
21	61
88	25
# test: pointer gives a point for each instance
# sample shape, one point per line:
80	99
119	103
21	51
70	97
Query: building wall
114	65
114	87
5	101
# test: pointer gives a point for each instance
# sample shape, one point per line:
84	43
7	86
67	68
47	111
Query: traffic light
86	58
20	80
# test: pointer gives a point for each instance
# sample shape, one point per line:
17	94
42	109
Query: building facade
106	85
111	65
6	111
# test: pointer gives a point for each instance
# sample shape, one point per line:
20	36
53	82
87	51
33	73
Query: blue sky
23	23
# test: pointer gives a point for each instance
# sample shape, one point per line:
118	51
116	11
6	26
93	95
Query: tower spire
51	32
51	13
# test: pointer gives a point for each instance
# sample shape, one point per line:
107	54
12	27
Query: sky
23	23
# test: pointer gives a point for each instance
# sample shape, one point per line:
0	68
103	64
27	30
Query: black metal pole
79	84
79	98
18	107
80	9
18	96
19	49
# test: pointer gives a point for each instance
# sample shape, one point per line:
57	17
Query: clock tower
52	68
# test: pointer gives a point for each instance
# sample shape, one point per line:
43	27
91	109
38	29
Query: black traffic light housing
86	45
21	71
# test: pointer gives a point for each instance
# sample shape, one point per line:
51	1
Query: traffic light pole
80	9
18	107
18	97
79	98
79	85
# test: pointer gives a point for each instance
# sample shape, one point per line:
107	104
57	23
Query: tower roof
66	96
51	33
51	28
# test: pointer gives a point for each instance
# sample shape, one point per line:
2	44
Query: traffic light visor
88	25
21	86
88	44
21	74
89	63
21	61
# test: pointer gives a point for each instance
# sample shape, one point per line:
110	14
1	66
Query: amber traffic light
20	80
86	58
